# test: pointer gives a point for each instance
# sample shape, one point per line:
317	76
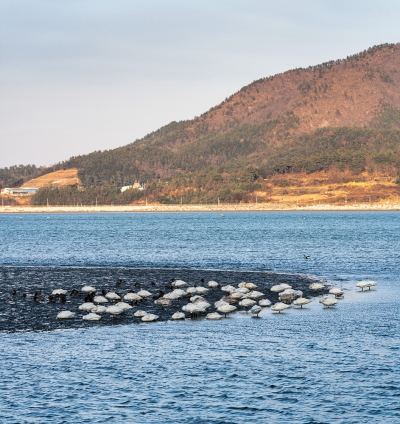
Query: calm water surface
304	366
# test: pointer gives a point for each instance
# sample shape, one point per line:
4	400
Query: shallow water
315	365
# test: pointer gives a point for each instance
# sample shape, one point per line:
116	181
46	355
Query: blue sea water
314	365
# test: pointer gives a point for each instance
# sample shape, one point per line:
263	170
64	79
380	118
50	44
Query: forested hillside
340	117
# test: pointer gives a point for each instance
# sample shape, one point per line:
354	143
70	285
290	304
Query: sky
84	75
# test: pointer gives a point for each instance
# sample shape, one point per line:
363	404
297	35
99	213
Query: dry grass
60	178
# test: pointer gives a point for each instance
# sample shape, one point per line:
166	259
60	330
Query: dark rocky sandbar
20	312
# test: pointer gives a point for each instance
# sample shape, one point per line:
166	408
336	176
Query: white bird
228	289
212	284
337	292
88	289
178	283
247	302
65	315
219	303
144	293
264	303
58	292
366	283
202	290
178	315
162	301
112	296
149	318
140	313
100	299
279	307
99	309
242	290
316	286
91	317
114	310
132	297
250	286
213	316
256	310
237	295
124	306
277	288
286	286
179	292
171	296
193	308
301	301
226	309
191	290
87	306
255	294
328	301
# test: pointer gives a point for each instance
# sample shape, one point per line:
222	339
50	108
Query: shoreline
246	207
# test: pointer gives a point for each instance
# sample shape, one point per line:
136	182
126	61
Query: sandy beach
245	207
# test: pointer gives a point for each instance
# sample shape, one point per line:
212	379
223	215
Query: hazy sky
84	75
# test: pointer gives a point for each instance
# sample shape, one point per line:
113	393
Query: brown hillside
62	178
342	93
347	92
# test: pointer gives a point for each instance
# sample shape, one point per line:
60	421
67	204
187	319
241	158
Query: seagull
306	257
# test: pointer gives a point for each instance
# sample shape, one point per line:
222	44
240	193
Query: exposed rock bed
20	312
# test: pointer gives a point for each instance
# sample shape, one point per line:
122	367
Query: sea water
315	365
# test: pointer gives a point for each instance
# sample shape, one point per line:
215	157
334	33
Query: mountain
340	120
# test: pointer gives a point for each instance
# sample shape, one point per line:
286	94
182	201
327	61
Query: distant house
137	185
28	191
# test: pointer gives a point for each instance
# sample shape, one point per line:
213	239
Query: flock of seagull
245	295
